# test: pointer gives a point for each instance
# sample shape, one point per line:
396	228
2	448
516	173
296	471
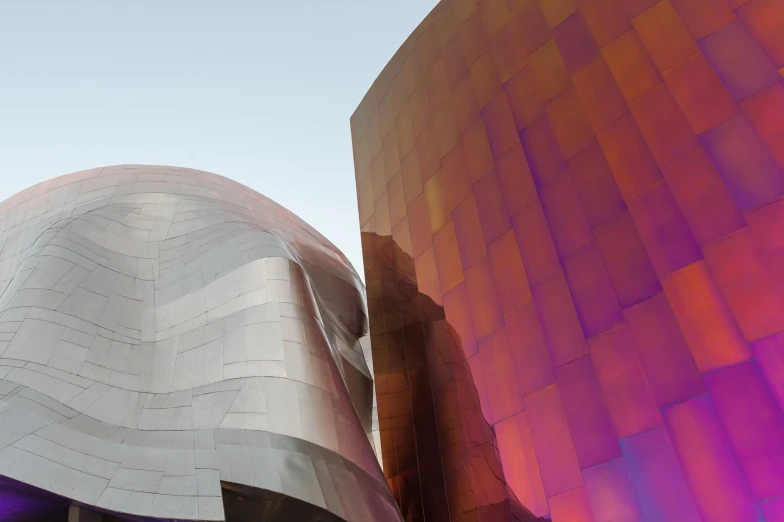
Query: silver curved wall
163	330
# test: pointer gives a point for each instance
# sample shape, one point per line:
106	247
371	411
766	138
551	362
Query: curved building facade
572	220
174	345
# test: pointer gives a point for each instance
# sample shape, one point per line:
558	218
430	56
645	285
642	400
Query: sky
259	91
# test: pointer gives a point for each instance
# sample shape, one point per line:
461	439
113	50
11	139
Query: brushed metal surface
163	330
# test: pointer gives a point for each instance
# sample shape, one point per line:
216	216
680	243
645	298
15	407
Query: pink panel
626	260
772	509
594	298
458	312
468	229
769	353
595	185
516	180
663	229
427	147
630	160
767	221
536	245
572	506
657	478
565	216
544	155
450	271
702	196
611	493
663	351
485	305
500	378
501	128
554	450
529	349
427	275
419	223
707	324
479	158
626	391
595	439
754	423
397	200
765	110
412	179
493	214
455	181
381	213
749	171
521	469
656	110
748	283
401	234
560	325
570	124
739	60
523	98
718	486
576	43
510	278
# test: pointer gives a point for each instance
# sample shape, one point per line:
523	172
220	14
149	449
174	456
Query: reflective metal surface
163	330
572	216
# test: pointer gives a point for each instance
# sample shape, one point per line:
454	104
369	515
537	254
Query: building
571	215
174	345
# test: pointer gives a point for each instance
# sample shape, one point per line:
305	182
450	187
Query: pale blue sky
259	91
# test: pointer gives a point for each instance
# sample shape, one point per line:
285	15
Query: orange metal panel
594	191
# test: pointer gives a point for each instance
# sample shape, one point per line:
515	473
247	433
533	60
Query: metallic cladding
165	330
571	215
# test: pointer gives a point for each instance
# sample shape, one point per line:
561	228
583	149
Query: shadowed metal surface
163	330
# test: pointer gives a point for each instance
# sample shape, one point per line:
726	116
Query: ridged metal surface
164	329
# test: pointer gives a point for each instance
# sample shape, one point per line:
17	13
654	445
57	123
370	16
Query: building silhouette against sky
591	190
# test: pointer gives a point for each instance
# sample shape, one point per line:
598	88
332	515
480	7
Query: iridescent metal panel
164	330
579	204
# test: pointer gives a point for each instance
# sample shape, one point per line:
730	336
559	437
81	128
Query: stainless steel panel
182	486
264	341
17	422
298	477
346	485
34	341
136	480
208	482
210	508
264	468
179	462
145	458
83	443
46	474
157	336
328	489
